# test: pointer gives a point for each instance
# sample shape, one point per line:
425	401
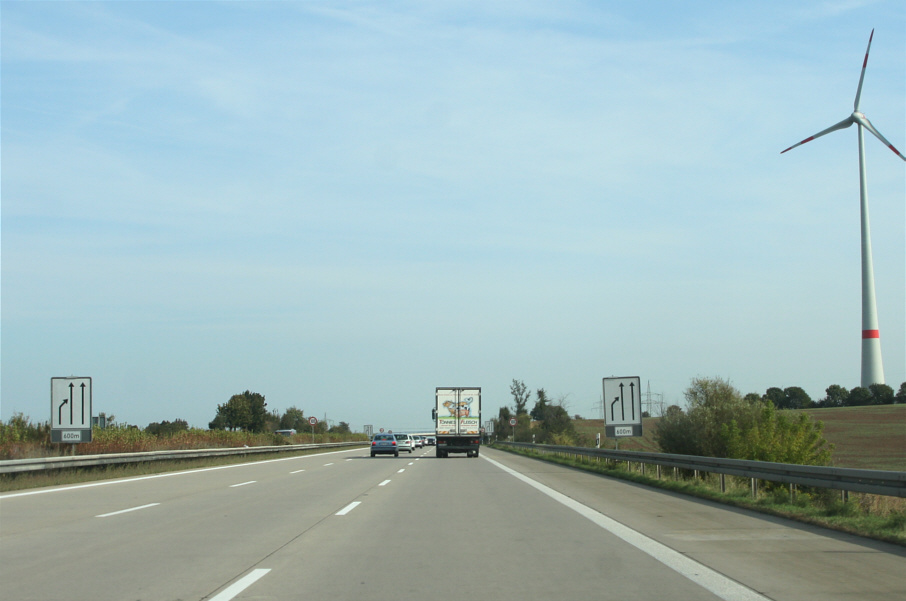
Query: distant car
431	441
419	441
385	444
404	442
290	432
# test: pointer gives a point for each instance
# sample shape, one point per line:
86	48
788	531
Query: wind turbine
872	366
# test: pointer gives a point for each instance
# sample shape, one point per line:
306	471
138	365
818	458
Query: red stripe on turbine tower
871	333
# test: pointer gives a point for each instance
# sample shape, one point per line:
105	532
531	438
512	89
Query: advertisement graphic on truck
457	416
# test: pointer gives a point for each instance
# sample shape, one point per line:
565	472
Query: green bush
721	423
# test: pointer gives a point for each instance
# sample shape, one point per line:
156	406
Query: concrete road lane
463	528
195	532
345	526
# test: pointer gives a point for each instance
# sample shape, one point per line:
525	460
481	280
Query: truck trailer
457	421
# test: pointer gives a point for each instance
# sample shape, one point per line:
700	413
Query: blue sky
343	205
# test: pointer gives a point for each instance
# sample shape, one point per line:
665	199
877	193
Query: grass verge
870	516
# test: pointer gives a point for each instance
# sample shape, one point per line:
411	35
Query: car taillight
373	443
394	443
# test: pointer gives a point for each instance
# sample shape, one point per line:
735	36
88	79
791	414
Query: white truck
457	421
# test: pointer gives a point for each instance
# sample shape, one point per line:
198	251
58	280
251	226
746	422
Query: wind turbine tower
872	366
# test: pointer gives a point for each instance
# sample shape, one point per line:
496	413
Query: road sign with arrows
623	406
70	410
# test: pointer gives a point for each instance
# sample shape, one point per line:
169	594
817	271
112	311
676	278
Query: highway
342	525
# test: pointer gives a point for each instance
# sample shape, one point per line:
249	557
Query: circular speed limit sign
313	420
512	421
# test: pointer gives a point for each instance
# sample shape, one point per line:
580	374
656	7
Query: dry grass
878	505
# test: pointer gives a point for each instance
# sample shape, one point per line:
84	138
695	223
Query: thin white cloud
345	184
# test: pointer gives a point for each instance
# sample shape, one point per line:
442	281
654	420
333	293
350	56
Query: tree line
247	412
836	396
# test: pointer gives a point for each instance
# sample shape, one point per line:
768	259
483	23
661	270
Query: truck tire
437	453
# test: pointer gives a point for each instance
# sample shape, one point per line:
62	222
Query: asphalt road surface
342	525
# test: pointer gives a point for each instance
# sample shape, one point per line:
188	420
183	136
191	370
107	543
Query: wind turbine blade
862	76
842	125
864	122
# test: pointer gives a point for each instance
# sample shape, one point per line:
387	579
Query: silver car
404	442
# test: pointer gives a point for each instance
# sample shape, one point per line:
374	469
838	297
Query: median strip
43	491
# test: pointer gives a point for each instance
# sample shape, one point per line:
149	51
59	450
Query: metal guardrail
878	482
15	466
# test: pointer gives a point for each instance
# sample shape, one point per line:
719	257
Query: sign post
70	410
313	420
622	407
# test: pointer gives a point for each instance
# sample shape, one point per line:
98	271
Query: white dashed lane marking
107	515
348	508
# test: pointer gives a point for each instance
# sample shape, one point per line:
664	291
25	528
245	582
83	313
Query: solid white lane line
105	515
384	483
725	588
297	471
240	585
242	483
348	508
